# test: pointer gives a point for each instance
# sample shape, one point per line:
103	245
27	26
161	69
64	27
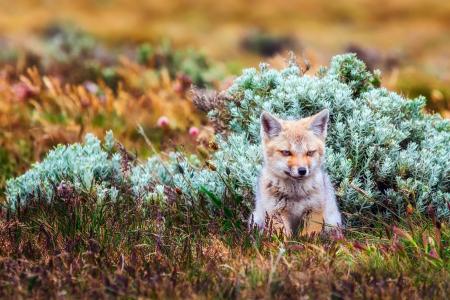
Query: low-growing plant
383	152
71	170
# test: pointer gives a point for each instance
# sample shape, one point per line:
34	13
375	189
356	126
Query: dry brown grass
151	250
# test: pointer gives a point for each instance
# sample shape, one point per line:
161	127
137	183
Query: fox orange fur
293	182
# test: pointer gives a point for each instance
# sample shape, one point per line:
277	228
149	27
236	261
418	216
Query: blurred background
71	67
409	39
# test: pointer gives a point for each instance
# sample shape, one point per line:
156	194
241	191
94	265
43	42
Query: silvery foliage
383	151
90	168
86	168
189	175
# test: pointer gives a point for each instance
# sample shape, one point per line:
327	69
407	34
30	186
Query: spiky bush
101	171
78	169
383	154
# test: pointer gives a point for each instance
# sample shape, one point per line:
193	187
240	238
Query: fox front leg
331	215
256	220
275	222
279	223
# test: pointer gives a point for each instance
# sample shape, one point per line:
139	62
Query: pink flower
163	122
434	254
194	131
22	91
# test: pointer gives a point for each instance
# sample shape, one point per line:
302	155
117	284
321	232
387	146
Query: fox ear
270	125
319	123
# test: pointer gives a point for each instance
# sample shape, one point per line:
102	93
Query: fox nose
302	171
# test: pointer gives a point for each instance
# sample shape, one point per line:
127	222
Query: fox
293	182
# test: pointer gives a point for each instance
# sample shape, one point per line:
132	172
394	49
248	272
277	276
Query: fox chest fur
291	197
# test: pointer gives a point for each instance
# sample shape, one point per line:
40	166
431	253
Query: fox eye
310	153
285	152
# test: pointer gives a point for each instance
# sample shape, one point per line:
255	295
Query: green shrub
384	152
78	169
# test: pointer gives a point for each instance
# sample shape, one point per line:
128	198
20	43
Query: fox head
294	149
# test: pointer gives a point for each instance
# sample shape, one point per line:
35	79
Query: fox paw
335	233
